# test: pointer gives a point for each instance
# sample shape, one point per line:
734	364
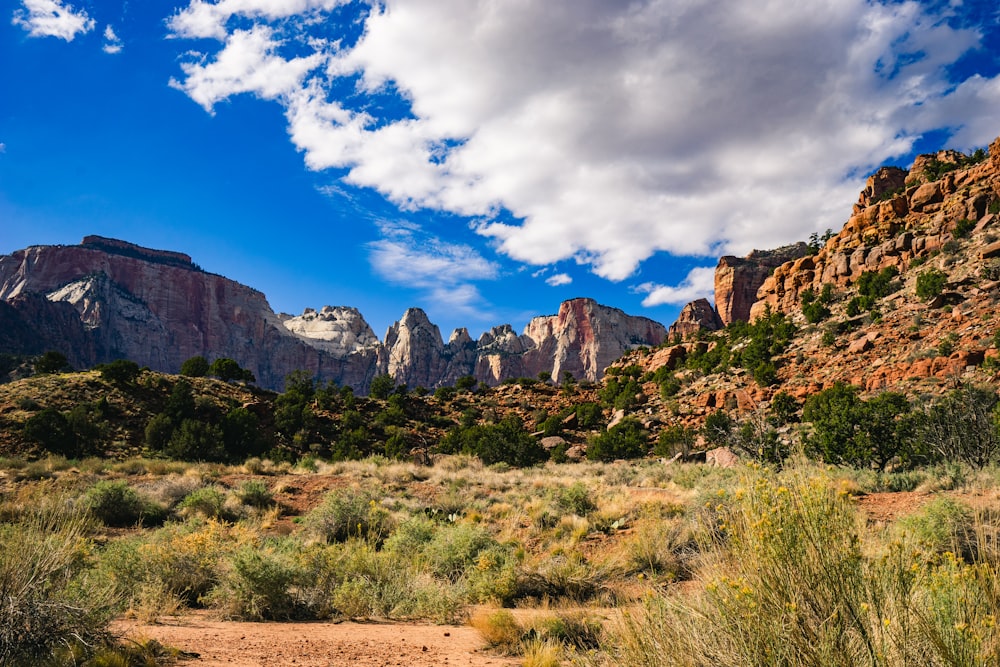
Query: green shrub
575	499
589	415
963	227
195	367
115	503
815	307
454	548
675	439
848	430
943	525
505	442
262	584
49	606
51	429
120	371
626	440
208	501
931	283
344	514
794	583
255	493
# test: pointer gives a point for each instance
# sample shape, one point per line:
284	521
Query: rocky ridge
106	299
942	216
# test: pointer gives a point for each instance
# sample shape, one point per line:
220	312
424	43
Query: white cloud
247	64
51	18
558	279
208	19
3	148
408	256
610	131
699	283
112	43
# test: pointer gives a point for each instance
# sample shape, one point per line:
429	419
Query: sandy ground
231	644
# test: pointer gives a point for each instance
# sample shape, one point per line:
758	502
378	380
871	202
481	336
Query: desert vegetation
171	494
593	562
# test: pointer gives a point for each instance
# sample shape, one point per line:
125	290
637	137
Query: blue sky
482	160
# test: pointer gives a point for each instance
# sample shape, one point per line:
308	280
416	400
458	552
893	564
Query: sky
481	159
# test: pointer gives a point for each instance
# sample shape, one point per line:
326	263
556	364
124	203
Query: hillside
903	298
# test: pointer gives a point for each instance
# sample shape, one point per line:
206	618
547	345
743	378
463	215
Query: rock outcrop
582	339
738	279
694	317
107	299
900	216
158	309
339	330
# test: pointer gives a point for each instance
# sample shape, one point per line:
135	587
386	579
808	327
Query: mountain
107	299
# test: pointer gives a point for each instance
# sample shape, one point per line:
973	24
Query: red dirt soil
318	644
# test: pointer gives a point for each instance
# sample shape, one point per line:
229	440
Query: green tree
50	429
718	428
625	440
931	283
52	362
241	434
159	430
848	430
465	383
120	371
180	404
196	440
195	367
382	386
228	370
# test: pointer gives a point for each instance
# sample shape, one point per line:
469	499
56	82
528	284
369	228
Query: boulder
721	457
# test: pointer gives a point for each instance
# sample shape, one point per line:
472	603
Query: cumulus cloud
446	272
559	279
247	64
208	19
605	132
699	283
112	43
51	18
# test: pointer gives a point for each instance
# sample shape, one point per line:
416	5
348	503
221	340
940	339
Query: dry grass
698	556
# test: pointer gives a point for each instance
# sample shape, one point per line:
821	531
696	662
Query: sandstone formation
582	339
107	299
694	317
339	330
891	227
941	216
738	279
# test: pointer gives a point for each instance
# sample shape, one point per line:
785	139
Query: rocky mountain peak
339	330
694	317
106	299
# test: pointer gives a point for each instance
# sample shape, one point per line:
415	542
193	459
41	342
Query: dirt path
232	644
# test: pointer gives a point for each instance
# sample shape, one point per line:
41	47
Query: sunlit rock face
107	299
